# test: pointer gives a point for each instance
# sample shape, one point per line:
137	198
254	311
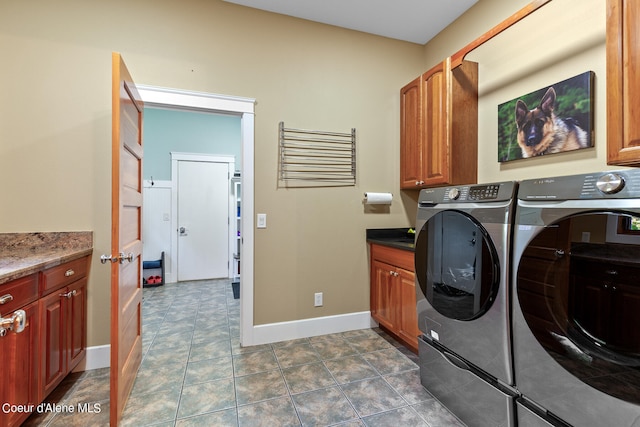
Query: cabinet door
411	134
19	373
52	366
384	294
76	312
623	82
408	312
435	157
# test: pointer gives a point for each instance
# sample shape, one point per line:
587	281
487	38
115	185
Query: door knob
121	258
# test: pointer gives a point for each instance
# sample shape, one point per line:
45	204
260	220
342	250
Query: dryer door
457	267
579	292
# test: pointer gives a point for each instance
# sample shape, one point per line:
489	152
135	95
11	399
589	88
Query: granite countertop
398	238
22	254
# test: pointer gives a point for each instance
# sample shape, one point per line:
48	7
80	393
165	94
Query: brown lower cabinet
63	332
393	293
19	373
53	341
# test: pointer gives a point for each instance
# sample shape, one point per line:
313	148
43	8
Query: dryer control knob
454	193
610	183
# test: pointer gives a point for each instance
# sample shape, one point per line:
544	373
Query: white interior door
203	219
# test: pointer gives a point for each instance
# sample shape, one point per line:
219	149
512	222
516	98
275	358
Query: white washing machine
463	237
576	310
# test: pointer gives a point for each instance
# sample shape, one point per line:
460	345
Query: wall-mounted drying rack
310	158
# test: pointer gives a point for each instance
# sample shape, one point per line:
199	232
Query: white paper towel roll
378	198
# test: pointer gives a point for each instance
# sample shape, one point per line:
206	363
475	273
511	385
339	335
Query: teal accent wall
186	132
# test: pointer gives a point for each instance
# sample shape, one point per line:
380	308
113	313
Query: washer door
579	293
457	265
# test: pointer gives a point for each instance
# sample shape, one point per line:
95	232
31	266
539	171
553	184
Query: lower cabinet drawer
18	293
63	274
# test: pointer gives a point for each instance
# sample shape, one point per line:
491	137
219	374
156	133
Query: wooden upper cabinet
623	82
439	127
411	133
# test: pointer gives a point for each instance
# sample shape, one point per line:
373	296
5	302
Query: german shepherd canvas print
559	121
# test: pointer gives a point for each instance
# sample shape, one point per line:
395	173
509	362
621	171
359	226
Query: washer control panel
469	193
601	185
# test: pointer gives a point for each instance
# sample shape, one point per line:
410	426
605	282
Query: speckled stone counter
24	253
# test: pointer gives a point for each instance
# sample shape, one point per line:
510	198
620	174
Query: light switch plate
262	220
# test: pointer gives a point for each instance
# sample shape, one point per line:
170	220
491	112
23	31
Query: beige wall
560	40
55	116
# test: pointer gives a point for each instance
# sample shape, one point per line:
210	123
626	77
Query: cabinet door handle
15	323
69	294
69	273
6	298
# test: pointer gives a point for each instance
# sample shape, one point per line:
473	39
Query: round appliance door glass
457	265
578	286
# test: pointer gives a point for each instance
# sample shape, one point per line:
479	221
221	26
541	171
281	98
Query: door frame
209	158
178	99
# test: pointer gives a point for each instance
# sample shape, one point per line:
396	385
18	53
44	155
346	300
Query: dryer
462	248
576	311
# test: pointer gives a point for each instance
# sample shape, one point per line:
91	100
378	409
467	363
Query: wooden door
18	377
76	312
126	233
411	135
384	298
623	83
52	366
435	160
408	312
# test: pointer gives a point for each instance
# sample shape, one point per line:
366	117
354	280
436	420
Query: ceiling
416	21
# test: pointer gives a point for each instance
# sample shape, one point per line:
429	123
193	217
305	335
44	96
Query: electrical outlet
317	300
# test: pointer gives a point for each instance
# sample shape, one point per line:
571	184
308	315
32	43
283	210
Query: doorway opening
244	108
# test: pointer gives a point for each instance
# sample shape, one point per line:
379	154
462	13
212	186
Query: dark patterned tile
207	397
408	385
332	347
298	354
434	413
323	407
308	377
275	412
208	370
252	363
372	396
159	406
396	417
352	368
256	387
389	361
224	418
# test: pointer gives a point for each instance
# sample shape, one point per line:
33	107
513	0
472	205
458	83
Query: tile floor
194	373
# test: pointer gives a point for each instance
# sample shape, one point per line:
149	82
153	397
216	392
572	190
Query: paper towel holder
371	198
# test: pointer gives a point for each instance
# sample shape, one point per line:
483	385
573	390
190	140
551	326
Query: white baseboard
97	357
100	356
285	331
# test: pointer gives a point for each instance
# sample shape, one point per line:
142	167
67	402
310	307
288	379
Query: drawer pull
6	298
69	273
